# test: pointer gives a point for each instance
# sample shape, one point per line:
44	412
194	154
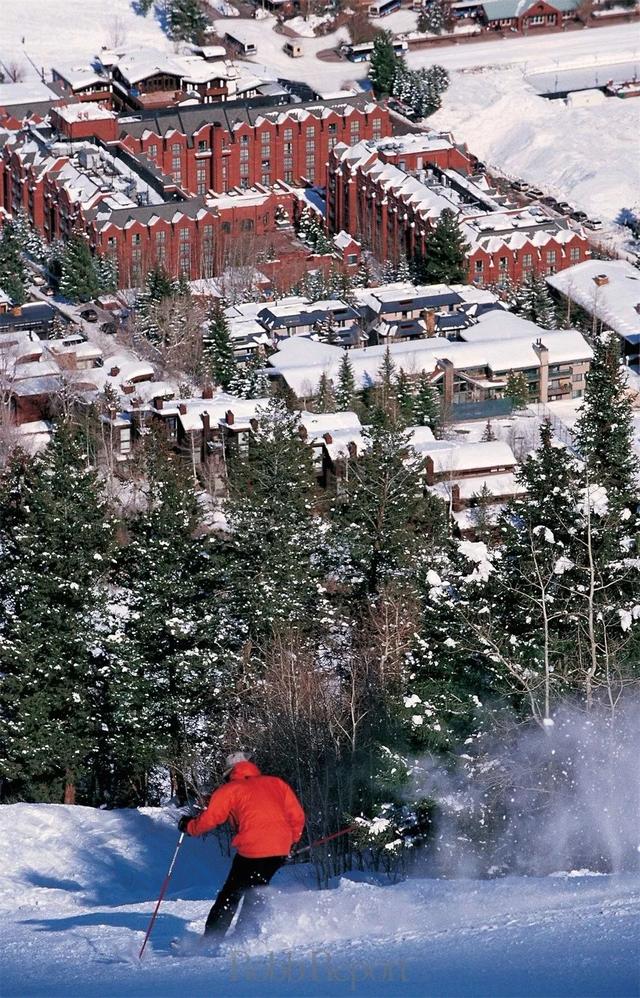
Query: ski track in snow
79	885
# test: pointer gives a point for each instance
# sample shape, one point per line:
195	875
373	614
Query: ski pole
327	838
163	889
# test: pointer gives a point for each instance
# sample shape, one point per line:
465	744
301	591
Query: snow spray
561	798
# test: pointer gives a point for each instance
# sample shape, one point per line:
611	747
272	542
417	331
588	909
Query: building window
376	126
527	261
176	149
354	131
226	227
288	176
575	254
536	19
152	151
244	140
503	263
352	258
311	169
203	145
161	246
201	180
266	179
247	224
288	134
184	252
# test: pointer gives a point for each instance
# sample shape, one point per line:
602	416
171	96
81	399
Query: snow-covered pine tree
403	270
517	389
274	571
218	356
404	398
431	18
387	524
55	539
445	258
106	266
252	380
325	400
539	305
345	390
604	431
79	281
28	237
426	404
488	434
187	20
385	393
158	287
13	280
383	64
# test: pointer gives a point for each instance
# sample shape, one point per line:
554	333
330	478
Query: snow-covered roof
616	302
84	111
32	92
79	75
302	361
460	458
217	408
504	484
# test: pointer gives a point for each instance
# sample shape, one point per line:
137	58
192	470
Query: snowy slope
71	32
587	155
78	886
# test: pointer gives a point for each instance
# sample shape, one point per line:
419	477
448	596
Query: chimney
114	372
16	310
353	450
206	425
254	424
158	402
430	322
328	439
302	432
135	403
456	503
429	470
128	388
182	409
600	280
229	418
207	391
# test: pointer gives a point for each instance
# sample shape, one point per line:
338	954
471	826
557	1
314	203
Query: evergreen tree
79	280
175	629
403	270
517	389
106	267
325	397
404	398
345	391
445	260
55	539
388	525
186	20
383	64
532	300
426	404
483	526
28	237
604	431
274	568
488	435
158	288
12	273
431	18
219	357
251	381
386	385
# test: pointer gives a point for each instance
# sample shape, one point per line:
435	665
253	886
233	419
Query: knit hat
233	760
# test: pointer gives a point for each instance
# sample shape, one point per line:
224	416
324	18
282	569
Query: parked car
480	167
39	281
89	315
593	223
579	216
564	208
110	328
549	201
535	192
520	185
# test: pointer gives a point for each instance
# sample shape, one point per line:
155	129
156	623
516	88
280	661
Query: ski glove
184	821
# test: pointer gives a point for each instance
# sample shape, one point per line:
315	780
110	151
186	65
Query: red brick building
392	208
218	148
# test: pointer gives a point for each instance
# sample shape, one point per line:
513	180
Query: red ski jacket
263	810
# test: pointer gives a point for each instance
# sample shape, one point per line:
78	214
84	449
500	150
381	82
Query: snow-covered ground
78	886
587	155
71	31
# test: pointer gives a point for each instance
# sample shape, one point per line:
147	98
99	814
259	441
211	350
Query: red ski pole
163	889
327	838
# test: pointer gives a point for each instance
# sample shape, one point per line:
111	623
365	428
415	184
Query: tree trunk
69	789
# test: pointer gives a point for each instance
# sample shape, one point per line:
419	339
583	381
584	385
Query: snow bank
586	155
78	888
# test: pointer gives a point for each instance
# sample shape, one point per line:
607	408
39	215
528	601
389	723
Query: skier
268	821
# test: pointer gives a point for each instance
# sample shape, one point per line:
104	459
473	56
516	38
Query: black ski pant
245	875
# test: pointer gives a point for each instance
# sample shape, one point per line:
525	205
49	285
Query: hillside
78	887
